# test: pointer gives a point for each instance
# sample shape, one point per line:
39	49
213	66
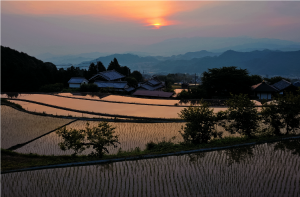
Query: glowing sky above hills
111	26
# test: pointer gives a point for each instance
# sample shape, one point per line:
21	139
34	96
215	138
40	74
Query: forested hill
21	72
256	62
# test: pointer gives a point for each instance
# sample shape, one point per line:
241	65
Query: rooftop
111	84
109	75
77	80
280	85
263	87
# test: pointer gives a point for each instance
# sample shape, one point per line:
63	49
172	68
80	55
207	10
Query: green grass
11	160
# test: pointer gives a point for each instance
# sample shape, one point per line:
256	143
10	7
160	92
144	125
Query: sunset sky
72	27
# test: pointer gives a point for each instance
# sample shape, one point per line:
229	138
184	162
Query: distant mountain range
265	62
180	49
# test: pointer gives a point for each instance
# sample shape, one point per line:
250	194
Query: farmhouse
112	80
119	86
263	90
75	82
296	83
109	75
284	86
152	84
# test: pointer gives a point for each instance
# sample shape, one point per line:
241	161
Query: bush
89	88
200	126
284	113
57	87
97	137
242	114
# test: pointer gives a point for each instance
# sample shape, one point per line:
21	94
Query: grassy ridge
6	102
11	160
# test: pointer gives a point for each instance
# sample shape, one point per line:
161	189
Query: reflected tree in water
194	157
237	155
290	145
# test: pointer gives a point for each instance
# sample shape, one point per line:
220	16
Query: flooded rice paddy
101	107
263	170
131	135
19	127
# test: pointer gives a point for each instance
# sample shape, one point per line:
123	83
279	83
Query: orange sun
157	25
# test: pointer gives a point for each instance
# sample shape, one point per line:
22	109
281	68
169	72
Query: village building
152	84
296	84
111	80
284	86
76	82
263	90
109	75
119	86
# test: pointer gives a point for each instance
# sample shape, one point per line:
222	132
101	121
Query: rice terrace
214	169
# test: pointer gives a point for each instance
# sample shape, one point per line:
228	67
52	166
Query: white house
75	82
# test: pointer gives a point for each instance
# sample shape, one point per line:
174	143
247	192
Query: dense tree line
23	73
221	82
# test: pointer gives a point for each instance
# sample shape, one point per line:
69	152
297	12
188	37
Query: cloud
143	12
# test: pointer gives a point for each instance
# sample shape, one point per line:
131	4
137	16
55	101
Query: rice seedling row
265	173
19	127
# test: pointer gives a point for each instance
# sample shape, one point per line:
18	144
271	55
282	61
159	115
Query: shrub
57	87
284	113
97	137
89	88
200	126
242	115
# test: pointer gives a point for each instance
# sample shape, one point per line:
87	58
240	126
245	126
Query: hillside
21	72
257	62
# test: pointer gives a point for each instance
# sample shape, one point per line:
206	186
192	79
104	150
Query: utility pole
195	79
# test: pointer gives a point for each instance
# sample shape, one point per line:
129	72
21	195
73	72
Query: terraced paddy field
19	127
263	170
103	107
119	98
53	111
131	135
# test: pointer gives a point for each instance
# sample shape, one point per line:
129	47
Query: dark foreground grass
6	102
11	160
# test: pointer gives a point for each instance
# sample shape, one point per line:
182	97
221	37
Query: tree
97	137
137	75
271	117
283	113
73	139
132	82
200	126
92	70
222	82
100	67
101	136
242	114
114	65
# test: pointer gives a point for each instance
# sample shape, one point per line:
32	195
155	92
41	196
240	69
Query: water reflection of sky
99	107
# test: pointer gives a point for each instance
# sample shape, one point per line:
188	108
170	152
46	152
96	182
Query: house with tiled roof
152	84
111	80
263	90
297	84
109	75
284	86
76	82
